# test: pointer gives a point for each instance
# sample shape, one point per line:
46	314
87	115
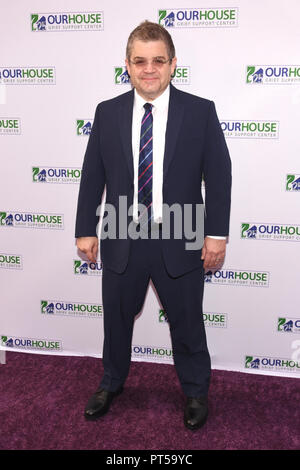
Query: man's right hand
89	246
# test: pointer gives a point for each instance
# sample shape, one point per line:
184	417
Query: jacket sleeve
217	177
91	185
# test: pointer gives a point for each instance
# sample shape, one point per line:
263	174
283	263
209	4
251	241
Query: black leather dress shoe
99	403
195	412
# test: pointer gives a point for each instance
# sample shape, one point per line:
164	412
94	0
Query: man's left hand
213	253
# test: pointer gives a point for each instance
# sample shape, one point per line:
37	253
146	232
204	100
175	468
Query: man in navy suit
153	145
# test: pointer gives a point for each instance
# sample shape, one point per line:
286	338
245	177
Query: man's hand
89	246
213	253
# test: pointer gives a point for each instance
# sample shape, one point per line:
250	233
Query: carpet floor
43	398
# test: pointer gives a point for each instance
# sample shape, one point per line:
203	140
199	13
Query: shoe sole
102	412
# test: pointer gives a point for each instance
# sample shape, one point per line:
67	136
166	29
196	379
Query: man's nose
149	67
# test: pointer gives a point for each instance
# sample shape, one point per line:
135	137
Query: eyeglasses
157	62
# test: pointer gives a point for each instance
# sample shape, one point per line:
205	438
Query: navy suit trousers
181	298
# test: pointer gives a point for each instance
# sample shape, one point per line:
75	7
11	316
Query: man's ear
127	66
173	64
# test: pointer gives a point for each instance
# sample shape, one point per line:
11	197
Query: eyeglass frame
156	61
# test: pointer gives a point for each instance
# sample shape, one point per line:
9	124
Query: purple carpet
43	398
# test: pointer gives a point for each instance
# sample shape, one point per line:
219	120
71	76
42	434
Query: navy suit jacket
195	147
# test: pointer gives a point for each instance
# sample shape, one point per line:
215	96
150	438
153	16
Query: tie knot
148	107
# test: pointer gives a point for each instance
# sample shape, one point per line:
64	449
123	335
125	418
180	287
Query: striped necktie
145	165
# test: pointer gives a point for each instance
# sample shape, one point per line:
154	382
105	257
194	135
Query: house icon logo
166	18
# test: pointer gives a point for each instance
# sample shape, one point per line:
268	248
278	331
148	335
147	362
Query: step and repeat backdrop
58	60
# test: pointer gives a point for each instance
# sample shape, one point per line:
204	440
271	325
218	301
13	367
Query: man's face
148	73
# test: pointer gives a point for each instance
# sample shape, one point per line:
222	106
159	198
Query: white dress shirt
160	116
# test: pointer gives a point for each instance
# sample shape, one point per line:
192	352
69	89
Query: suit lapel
125	123
175	117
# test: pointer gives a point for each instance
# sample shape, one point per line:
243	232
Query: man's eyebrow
155	57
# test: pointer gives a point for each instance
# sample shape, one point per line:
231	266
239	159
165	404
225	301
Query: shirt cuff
216	237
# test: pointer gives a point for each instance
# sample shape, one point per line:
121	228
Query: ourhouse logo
31	220
55	175
211	319
215	320
30	343
234	277
277	364
214	17
27	75
121	76
67	21
11	261
84	127
162	317
152	353
86	268
10	126
264	231
250	129
288	325
273	74
292	182
182	75
73	309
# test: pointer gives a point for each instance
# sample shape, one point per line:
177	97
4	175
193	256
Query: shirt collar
161	102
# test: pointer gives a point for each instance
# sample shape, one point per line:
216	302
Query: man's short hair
148	31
